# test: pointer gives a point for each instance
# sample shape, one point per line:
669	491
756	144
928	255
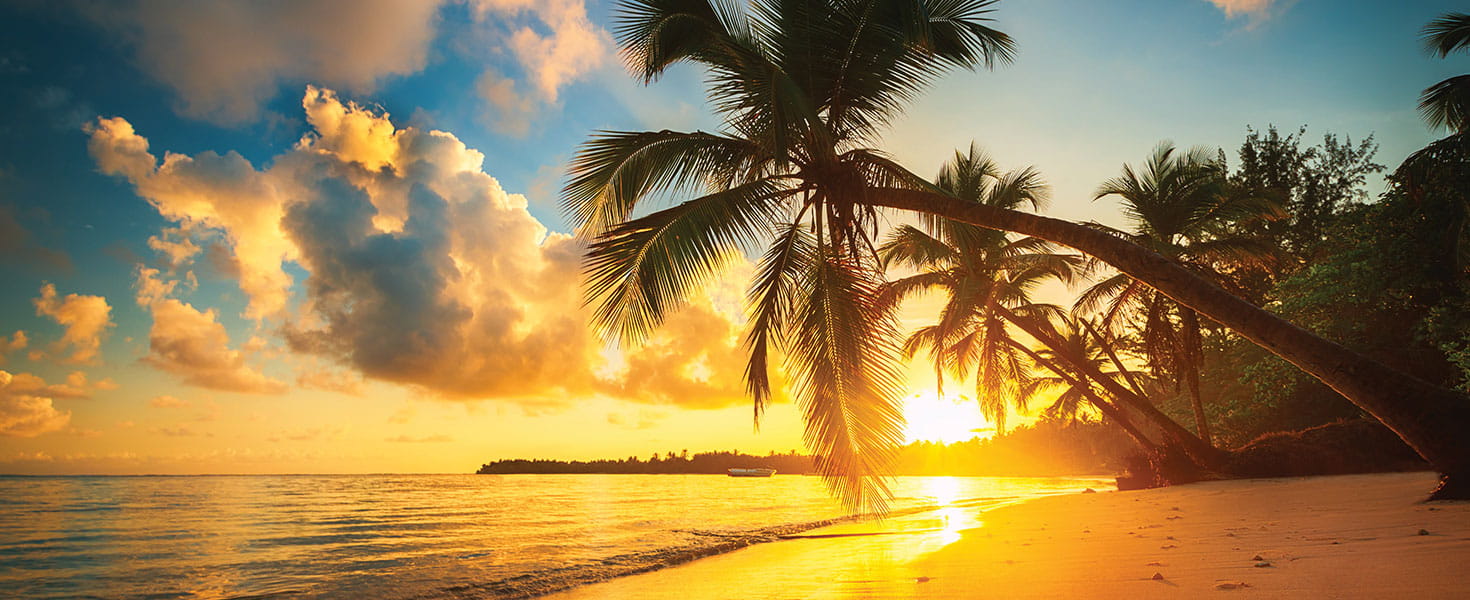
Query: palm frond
891	294
1447	104
614	170
846	378
1446	34
907	246
772	298
655	34
639	270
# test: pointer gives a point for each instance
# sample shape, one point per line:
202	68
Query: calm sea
405	536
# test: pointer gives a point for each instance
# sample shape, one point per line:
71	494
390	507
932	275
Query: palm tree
978	270
1447	103
1074	399
1080	350
804	87
1181	207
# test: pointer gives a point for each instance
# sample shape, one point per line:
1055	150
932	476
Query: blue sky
207	374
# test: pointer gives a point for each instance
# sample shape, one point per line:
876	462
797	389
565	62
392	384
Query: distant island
790	463
1050	447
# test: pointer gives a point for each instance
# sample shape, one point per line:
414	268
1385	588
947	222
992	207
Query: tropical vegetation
806	87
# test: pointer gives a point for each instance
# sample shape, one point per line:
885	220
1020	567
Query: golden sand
1357	536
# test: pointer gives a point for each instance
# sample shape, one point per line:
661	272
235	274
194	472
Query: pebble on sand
1158	576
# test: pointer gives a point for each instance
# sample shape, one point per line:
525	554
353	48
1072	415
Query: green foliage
1310	184
1387	279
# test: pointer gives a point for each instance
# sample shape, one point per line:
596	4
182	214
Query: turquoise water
404	536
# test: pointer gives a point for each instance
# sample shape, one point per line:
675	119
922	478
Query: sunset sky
313	236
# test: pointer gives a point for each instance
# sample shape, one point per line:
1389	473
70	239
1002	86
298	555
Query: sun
943	420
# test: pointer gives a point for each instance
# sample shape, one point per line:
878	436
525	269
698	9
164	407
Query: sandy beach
1357	536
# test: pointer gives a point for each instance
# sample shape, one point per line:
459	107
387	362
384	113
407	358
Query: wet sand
1356	536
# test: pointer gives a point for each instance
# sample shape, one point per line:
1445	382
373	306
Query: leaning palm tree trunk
1107	348
1080	383
1430	419
1193	362
1168	463
1203	454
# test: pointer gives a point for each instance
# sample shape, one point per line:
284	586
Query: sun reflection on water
945	493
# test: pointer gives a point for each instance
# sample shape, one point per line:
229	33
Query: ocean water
408	536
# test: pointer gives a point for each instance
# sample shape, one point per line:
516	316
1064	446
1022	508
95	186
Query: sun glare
943	420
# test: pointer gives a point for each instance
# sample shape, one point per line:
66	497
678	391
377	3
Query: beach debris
1154	564
1174	517
1158	576
1263	564
1168	547
1423	532
1089	491
922	580
1257	557
1231	585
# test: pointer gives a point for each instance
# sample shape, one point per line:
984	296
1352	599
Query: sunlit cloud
1253	12
208	192
193	345
225	59
1236	8
16	342
167	402
511	111
571	48
175	246
26	408
85	320
315	376
421	269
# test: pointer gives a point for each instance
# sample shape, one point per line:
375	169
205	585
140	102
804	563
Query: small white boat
759	472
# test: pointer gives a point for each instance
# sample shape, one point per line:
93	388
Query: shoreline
1345	536
914	520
